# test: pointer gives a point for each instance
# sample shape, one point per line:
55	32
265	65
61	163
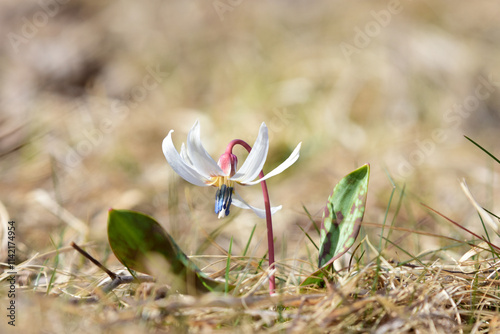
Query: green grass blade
483	149
249	240
228	266
309	237
311	219
214	234
387	208
39	275
406	252
398	208
491	213
56	264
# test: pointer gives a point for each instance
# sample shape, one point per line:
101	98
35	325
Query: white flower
196	166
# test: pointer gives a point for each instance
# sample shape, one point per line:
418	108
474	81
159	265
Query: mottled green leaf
136	238
317	277
341	221
343	215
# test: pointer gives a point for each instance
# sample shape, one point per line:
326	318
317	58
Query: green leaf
343	215
317	278
137	240
341	221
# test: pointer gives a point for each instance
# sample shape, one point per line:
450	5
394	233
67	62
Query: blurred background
89	89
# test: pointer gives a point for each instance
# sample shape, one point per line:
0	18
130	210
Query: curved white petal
185	156
182	168
199	156
240	203
284	165
256	158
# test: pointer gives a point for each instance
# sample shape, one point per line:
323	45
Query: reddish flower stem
267	206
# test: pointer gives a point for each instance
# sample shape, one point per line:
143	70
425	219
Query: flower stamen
223	198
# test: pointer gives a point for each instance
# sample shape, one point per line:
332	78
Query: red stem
267	206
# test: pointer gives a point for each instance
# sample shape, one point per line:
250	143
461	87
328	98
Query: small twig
94	261
118	280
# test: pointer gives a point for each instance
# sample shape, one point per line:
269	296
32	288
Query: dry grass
387	297
81	125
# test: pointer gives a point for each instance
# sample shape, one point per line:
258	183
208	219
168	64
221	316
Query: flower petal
284	165
182	168
200	158
240	203
256	158
185	156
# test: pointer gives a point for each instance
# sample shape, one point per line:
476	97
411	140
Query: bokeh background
89	89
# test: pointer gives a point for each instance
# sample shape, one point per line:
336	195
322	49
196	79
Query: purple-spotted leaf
343	215
341	221
136	238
